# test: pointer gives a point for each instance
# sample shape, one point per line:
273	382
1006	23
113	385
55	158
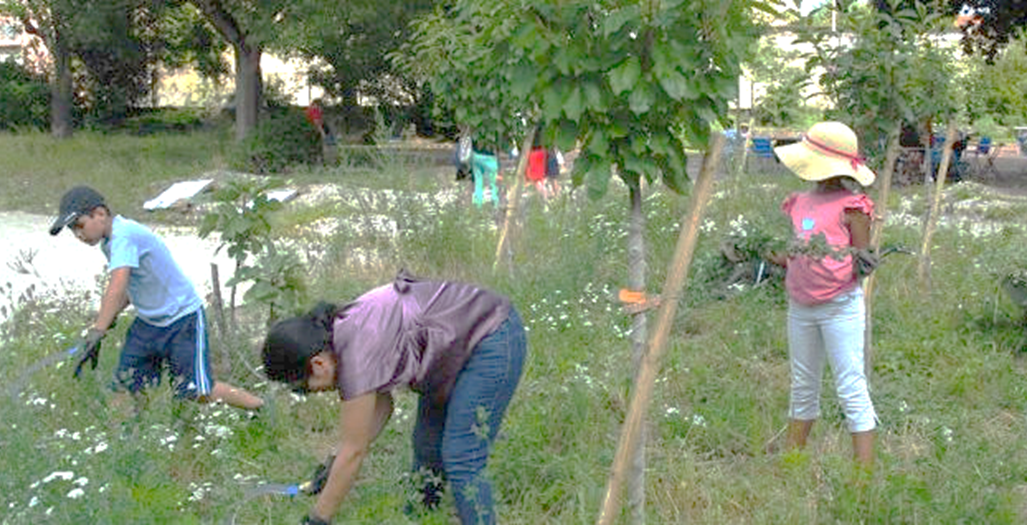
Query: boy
169	328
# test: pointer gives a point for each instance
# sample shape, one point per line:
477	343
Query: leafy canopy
630	82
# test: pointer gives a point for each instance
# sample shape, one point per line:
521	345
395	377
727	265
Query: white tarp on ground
186	189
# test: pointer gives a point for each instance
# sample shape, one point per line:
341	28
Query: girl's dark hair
291	342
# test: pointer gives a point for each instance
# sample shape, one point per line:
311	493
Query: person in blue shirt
170	325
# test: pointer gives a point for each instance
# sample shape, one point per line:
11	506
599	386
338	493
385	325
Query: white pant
834	328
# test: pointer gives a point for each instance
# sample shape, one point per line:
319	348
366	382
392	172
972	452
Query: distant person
484	168
460	346
170	328
826	312
536	172
315	116
554	165
462	151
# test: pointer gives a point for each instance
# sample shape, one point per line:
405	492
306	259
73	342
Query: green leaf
598	144
635	165
641	99
521	80
626	75
677	86
552	101
673	177
573	107
593	96
566	135
597	180
616	19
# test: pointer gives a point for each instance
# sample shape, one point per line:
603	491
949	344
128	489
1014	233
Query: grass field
948	376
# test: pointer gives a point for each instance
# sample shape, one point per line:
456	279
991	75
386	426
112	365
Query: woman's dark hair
291	342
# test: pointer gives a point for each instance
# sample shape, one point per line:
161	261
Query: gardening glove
866	261
90	347
320	477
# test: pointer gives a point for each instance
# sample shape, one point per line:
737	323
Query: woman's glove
320	477
90	345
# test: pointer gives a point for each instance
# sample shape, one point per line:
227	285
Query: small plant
278	279
242	218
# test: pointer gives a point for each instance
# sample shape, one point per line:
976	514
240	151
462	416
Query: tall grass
127	169
948	379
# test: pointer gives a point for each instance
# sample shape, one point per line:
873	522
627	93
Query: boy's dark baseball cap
77	201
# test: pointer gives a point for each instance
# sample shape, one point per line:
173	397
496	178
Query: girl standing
826	313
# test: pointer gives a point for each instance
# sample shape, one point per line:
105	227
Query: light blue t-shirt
158	289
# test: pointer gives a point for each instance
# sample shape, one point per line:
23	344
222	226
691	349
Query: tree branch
223	21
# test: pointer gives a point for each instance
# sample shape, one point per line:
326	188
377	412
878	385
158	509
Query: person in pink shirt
826	313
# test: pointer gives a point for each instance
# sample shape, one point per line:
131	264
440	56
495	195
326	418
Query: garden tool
19	384
311	487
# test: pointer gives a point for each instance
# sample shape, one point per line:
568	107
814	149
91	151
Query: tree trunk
639	337
60	86
247	89
673	286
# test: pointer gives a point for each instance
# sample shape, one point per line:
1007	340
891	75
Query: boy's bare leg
234	396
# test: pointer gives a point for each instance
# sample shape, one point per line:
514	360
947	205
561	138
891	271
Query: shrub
24	98
164	120
282	139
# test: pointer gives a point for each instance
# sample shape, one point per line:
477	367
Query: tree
995	91
987	25
49	20
629	82
892	72
249	27
354	39
114	55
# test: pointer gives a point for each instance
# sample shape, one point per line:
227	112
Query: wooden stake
923	271
672	291
218	305
513	197
876	229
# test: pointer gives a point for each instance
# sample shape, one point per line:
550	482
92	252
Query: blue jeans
454	441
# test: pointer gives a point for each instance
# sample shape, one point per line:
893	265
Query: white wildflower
65	475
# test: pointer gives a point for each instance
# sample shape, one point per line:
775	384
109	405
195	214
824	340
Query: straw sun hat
828	149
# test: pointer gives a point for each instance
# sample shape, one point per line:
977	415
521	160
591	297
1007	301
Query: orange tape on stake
637	301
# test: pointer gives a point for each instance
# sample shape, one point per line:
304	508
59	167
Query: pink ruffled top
811	278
